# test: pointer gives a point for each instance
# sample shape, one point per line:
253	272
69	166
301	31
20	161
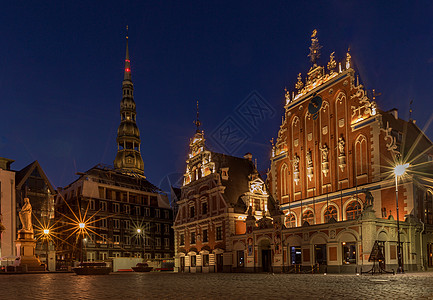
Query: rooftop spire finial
127	75
197	121
314	48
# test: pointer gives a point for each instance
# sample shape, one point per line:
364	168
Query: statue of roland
26	216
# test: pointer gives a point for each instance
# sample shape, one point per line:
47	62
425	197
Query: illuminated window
349	253
290	221
308	216
219	233
353	210
330	212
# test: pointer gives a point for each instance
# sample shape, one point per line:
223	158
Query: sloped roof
22	175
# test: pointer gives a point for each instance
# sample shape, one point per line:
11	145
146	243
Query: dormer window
225	173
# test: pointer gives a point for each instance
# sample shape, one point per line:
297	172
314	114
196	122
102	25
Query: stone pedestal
26	245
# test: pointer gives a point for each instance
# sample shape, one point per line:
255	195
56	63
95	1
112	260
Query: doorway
182	263
219	262
266	261
320	254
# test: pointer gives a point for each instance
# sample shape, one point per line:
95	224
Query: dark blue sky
61	69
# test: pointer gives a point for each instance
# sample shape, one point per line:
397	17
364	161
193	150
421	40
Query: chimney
5	163
394	112
248	156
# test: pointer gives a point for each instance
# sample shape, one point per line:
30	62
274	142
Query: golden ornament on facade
299	84
332	63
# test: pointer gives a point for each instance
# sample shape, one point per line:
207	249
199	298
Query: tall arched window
308	216
290	220
353	210
361	155
284	174
331	211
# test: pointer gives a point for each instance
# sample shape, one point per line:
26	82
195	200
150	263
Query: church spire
128	156
127	75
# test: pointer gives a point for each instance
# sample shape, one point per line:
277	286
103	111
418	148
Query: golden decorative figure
299	84
287	95
313	35
332	63
348	57
26	216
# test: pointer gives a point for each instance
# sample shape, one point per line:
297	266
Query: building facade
217	191
332	171
124	214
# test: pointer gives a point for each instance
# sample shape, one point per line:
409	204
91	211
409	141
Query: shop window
349	253
295	255
330	212
205	260
193	260
353	210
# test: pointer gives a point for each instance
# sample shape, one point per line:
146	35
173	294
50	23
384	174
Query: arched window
331	211
353	210
308	216
361	155
428	207
290	221
284	173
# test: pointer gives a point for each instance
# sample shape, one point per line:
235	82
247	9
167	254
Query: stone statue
368	198
26	216
296	163
341	144
309	160
325	152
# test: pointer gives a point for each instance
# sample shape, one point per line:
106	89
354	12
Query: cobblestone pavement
216	286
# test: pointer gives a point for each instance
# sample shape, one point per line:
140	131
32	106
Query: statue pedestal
26	245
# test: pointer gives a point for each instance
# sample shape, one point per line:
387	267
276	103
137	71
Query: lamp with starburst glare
399	170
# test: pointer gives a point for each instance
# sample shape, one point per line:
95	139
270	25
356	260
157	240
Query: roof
22	175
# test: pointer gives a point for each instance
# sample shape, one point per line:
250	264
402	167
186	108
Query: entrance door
320	254
182	263
219	262
266	260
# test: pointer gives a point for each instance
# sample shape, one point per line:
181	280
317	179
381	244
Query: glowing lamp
81	225
400	169
138	230
46	231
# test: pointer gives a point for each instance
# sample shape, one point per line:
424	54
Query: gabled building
347	176
125	215
217	191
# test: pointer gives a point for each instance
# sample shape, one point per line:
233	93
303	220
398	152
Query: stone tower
128	156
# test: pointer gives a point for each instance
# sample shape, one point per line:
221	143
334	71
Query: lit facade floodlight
399	170
81	225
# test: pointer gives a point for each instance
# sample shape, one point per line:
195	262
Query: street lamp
82	226
140	234
47	234
399	170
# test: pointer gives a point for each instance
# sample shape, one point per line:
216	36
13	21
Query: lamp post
82	226
399	170
140	233
47	234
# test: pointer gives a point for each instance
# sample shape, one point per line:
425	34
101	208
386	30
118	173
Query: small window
205	260
158	242
166	214
353	210
290	221
116	208
308	216
204	208
193	260
219	233
158	228
192	237
166	228
166	242
330	212
92	204
127	209
146	211
116	223
191	211
157	213
103	206
205	237
182	239
137	210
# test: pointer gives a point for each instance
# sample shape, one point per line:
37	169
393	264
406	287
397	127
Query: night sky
61	72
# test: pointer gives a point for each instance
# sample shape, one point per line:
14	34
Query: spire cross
197	121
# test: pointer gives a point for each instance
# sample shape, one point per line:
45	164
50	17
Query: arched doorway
265	258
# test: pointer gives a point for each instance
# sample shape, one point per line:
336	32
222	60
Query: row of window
110	194
91	256
353	210
137	210
116	240
204	236
126	224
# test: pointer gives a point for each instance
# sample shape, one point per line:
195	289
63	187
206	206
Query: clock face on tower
314	106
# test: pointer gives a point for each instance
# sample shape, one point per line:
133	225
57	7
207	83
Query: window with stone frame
330	212
353	210
204	208
181	239
205	236
191	211
205	260
290	220
308	216
192	237
219	233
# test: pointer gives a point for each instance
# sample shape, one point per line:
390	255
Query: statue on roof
314	49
